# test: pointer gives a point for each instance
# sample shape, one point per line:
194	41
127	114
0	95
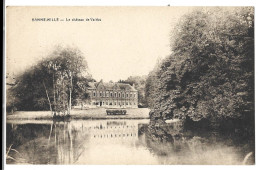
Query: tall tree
210	73
49	85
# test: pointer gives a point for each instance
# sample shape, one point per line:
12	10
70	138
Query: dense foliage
210	73
48	84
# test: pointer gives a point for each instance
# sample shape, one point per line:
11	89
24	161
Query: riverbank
99	113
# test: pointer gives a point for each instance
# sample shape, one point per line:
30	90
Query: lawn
99	113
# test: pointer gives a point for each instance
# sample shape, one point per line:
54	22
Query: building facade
110	95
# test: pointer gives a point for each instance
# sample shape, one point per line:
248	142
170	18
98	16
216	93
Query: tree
210	73
53	83
151	86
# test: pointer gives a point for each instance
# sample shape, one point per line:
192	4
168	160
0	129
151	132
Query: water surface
120	142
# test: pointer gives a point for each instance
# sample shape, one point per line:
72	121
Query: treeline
210	73
54	83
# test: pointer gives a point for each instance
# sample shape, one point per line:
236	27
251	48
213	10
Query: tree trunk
54	98
70	94
63	98
47	96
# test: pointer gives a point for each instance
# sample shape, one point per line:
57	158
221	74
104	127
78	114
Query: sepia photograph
143	85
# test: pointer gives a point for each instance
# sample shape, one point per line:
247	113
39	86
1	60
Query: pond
120	141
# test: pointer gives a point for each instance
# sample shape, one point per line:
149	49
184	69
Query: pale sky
126	42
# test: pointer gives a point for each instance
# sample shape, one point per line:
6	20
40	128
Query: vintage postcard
130	85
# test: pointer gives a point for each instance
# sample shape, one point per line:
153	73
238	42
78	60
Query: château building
111	95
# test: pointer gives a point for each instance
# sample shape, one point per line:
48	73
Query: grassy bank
99	113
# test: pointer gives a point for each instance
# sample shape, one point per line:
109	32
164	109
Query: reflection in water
175	145
120	142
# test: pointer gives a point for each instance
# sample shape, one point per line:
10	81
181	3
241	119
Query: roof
111	86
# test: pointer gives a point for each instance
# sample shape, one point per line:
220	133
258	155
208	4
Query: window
126	103
119	104
111	94
100	94
107	94
118	94
115	94
126	94
94	94
106	103
123	103
123	94
115	103
134	94
130	103
131	95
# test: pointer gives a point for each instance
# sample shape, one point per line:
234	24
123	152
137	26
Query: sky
126	42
